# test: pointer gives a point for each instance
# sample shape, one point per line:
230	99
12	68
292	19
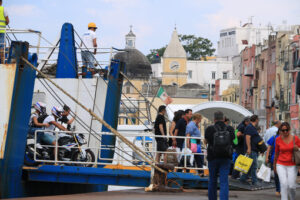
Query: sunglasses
285	130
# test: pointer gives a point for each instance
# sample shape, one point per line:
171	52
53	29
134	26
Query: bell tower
130	39
174	63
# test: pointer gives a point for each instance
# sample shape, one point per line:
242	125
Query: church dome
192	86
130	34
137	64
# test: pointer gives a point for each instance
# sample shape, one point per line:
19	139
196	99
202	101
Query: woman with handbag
284	163
270	159
192	130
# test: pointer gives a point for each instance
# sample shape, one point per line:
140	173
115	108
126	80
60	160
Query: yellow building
174	63
231	94
134	109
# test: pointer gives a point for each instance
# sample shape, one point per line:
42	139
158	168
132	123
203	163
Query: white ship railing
124	155
47	51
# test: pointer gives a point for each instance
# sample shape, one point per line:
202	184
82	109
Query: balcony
248	70
284	107
254	83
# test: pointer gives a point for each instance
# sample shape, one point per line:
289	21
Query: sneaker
278	194
38	146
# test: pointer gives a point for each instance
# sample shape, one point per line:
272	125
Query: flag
157	55
164	96
245	42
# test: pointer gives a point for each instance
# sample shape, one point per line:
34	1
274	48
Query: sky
153	20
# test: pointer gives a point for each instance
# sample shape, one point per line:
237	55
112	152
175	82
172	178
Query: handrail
147	144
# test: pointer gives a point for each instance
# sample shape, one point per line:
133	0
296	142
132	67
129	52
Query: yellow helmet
92	25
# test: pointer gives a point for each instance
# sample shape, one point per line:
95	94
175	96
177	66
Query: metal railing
124	155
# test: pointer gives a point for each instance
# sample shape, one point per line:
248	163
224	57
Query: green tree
196	48
155	54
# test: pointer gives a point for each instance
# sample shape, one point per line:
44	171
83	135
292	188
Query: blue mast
67	59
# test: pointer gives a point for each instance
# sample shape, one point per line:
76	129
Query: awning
234	112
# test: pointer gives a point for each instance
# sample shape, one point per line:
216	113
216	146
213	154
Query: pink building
217	96
248	75
294	105
271	80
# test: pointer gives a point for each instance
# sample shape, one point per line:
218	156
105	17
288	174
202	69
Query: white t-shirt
270	132
87	39
49	119
31	118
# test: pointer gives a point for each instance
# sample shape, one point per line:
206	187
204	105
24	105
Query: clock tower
174	63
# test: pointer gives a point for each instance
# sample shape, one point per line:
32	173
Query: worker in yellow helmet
4	20
89	46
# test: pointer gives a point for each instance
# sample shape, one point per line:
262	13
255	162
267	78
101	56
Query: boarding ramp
126	168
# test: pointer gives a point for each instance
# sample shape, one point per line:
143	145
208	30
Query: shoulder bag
296	154
261	145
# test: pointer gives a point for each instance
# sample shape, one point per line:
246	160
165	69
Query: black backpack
42	118
222	143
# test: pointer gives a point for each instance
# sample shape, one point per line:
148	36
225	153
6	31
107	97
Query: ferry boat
123	155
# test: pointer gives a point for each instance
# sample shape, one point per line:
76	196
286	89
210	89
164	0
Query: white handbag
264	173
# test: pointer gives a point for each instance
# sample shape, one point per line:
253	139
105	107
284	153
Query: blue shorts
32	130
48	139
88	59
2	40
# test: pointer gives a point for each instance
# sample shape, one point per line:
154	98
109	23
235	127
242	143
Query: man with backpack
219	138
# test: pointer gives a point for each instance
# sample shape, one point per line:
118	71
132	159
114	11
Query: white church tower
130	40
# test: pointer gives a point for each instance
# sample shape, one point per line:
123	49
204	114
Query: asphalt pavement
141	195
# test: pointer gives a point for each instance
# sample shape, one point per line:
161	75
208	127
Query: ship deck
140	194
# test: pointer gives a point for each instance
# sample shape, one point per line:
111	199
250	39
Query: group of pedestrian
184	124
220	139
